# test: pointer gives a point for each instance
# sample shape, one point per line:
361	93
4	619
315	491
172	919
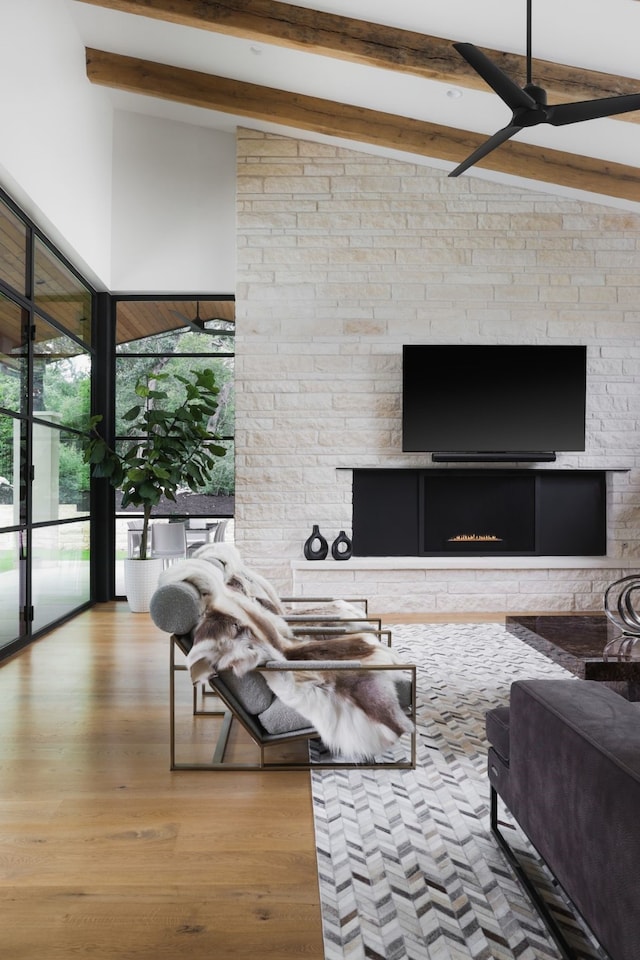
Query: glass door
46	354
59	548
13	457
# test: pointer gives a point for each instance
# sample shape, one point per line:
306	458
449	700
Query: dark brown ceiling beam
373	44
357	123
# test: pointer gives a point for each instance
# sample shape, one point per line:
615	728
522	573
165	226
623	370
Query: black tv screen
498	398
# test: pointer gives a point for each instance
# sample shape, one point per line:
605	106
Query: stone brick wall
342	258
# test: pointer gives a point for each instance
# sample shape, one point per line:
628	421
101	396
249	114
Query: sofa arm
176	607
575	791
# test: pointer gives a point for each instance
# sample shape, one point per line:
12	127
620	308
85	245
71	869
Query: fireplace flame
475	538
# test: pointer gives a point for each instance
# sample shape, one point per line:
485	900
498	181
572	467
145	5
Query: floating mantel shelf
492	466
466	563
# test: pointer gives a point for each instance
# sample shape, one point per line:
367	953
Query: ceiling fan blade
513	95
195	324
564	113
198	325
505	134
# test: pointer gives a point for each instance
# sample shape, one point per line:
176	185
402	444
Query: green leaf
104	469
162	473
150	491
136	474
98	452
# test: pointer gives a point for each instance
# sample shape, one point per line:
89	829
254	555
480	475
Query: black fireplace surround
440	513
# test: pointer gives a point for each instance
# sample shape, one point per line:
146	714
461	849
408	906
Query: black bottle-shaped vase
341	548
316	547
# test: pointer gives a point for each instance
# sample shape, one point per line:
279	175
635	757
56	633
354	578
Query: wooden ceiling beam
357	123
373	44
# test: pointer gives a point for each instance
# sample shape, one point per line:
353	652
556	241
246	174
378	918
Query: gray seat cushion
279	718
251	691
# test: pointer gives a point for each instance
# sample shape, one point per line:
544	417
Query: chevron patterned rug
408	867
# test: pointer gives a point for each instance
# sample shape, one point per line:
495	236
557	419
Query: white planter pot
140	581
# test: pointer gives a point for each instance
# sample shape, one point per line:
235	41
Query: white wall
55	134
173	206
137	204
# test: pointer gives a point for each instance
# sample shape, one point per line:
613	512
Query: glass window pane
61	378
13	249
167	326
201	530
60	558
216	498
13	355
130	370
11	595
60	488
74	478
59	293
176	337
12	483
220	486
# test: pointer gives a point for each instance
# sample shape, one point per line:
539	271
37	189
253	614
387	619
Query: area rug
408	867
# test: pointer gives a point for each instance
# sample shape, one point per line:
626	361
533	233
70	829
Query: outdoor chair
200	532
134	537
169	541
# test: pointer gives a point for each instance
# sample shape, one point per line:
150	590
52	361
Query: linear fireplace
491	513
441	512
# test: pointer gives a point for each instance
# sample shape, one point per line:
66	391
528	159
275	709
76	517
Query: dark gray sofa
565	758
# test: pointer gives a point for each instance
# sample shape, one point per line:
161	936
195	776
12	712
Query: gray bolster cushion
176	607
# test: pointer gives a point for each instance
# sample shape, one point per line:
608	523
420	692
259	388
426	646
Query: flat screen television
493	399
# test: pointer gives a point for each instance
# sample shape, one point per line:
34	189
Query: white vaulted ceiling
357	79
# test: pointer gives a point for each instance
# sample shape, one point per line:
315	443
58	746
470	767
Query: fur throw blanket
242	579
357	714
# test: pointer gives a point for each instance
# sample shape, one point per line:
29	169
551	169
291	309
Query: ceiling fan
529	103
199	324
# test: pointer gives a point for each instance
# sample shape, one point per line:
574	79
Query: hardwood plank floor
105	853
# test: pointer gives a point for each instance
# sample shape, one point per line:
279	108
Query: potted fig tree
171	447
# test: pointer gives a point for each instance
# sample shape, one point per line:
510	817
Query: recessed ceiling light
454	94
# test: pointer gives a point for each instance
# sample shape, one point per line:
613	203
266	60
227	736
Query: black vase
316	547
341	548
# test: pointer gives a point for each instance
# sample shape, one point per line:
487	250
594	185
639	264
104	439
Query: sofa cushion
497	723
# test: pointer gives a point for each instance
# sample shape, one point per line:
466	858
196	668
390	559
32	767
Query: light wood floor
106	854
